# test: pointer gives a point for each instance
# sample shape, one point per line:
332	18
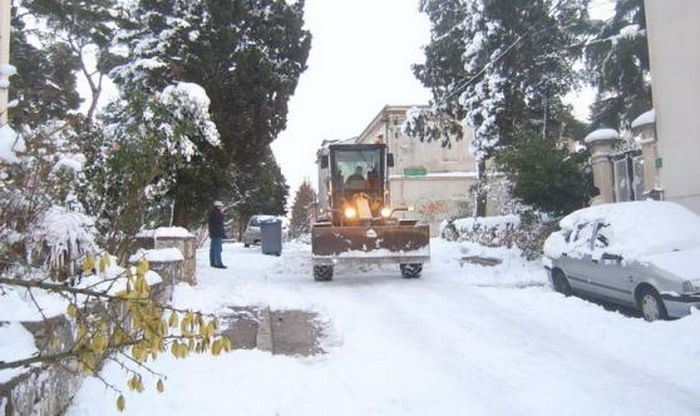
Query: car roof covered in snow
641	227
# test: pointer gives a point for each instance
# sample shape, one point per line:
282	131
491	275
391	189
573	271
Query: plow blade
370	244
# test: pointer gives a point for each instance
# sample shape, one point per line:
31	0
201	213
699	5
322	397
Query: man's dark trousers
215	252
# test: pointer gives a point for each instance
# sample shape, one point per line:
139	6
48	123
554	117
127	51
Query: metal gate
628	171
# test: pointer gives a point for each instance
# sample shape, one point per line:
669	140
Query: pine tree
45	85
547	176
618	61
83	31
301	210
499	67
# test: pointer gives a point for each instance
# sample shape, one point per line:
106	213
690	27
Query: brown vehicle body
353	180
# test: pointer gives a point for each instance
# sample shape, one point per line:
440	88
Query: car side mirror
608	256
390	160
324	162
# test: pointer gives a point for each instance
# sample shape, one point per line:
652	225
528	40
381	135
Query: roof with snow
645	119
602	134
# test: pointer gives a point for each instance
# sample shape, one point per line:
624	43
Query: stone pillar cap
644	119
165	232
602	135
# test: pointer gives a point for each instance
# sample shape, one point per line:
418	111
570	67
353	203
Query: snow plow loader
354	223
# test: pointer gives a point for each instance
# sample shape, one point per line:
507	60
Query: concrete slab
287	332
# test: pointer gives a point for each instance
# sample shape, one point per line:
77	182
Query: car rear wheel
651	304
323	273
411	271
561	283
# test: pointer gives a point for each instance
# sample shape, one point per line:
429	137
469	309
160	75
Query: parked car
252	233
643	254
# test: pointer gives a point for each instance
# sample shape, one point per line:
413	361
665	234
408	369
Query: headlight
691	286
350	212
386	212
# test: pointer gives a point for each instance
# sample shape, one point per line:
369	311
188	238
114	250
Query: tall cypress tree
301	210
618	61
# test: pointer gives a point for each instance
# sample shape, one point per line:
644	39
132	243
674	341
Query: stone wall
49	390
43	391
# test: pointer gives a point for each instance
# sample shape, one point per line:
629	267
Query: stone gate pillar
600	143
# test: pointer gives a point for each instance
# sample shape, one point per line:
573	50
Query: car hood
682	263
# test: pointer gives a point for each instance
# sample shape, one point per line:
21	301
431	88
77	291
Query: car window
581	242
254	222
602	235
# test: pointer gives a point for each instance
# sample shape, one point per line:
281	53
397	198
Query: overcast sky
360	60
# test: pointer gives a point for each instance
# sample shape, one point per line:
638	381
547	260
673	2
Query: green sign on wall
659	162
420	171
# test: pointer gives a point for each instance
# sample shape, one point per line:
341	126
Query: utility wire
468	82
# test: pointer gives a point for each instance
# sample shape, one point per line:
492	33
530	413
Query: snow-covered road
460	340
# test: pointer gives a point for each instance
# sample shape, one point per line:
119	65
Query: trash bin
271	236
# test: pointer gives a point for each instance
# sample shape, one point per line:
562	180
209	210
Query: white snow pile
633	229
113	280
10	144
628	32
16	343
496	222
602	134
644	119
158	255
71	161
62	236
6	71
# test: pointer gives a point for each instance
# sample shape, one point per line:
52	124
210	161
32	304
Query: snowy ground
460	340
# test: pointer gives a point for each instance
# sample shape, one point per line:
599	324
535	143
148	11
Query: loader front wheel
323	273
411	271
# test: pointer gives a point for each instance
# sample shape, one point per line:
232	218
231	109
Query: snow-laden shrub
527	231
43	178
59	239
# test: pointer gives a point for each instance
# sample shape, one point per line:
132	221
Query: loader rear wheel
411	271
323	273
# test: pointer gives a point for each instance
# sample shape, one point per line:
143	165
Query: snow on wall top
646	118
158	255
165	232
635	229
601	134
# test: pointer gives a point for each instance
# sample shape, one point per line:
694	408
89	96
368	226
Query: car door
577	263
610	275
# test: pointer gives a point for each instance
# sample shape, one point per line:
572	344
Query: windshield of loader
358	170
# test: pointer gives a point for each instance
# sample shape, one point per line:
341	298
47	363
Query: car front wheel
651	305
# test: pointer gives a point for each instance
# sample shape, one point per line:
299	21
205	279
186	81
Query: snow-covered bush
61	237
527	231
38	201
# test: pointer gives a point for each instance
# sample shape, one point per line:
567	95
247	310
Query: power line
469	81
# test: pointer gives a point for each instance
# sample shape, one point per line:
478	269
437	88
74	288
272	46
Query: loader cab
357	171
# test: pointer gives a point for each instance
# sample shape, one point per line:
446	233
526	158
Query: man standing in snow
216	234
